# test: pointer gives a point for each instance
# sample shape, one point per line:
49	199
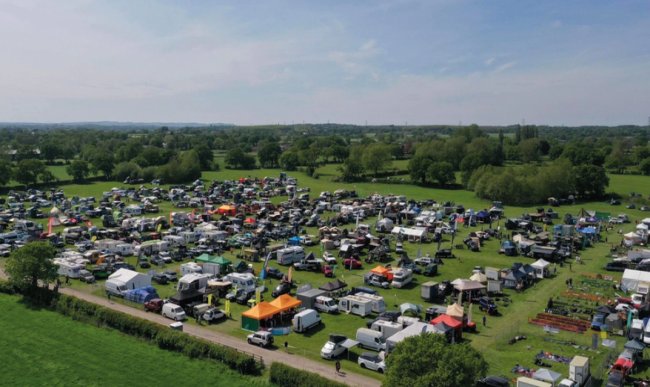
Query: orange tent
227	210
250	221
285	302
382	271
250	319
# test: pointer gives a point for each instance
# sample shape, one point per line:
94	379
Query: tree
78	169
28	170
5	172
428	360
103	161
644	166
50	151
30	264
442	172
126	169
205	156
529	150
289	161
269	154
376	158
352	167
590	181
418	167
236	158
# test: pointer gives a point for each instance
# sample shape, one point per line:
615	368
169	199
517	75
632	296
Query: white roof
417	328
546	375
124	275
636	275
540	263
412	232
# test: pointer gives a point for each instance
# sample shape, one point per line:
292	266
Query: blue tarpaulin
141	295
294	241
587	230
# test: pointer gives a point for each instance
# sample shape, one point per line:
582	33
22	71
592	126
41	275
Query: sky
551	62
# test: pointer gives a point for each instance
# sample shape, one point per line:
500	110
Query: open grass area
44	348
492	340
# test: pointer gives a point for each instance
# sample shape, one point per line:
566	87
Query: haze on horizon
381	62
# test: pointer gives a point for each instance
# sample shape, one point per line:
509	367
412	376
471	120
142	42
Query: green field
44	348
492	340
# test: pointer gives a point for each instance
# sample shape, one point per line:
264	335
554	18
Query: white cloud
505	67
489	61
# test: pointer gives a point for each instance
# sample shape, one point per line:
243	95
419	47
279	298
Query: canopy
455	310
261	311
448	321
250	221
623	364
333	286
463	285
540	263
478	277
382	271
635	345
547	375
285	302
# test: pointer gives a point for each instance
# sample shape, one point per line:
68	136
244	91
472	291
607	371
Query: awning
285	302
261	311
349	343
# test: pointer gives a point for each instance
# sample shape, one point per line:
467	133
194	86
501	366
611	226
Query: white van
173	312
305	320
326	304
371	339
646	333
115	288
401	278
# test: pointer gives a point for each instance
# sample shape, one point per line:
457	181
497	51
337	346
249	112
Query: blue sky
381	62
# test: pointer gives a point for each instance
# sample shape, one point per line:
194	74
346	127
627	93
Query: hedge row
162	336
286	376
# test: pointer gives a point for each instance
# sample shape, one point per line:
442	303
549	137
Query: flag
258	296
227	308
290	273
94	238
469	314
159	227
209	299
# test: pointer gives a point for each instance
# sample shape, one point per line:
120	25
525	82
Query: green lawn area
42	347
492	340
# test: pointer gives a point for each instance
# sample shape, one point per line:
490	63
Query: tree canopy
429	361
30	264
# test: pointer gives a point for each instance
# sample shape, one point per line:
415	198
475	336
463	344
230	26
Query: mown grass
41	347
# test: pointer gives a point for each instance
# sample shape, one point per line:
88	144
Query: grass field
492	340
44	348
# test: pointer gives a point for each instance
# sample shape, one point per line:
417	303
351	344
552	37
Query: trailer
430	291
378	304
290	255
308	297
355	305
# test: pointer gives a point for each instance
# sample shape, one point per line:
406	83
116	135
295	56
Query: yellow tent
285	302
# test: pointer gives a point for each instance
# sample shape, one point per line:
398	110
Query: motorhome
387	328
175	240
401	278
290	255
68	269
245	281
191	267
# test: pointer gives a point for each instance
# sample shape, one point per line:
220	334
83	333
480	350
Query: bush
286	376
7	288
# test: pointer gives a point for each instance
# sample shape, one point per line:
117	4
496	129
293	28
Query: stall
258	316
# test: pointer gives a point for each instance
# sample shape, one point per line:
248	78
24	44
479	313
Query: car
243	297
213	314
261	338
598	321
154	305
282	288
165	256
430	270
487	305
273	272
160	279
644	208
156	260
351	263
411	266
444	253
424	261
86	276
372	361
172	276
494	381
376	280
143	263
329	258
618	265
327	271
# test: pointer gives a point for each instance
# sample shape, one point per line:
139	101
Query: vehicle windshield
328	346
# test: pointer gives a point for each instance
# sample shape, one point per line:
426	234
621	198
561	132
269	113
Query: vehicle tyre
381	370
250	341
363	365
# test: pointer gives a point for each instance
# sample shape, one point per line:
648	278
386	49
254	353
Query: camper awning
349	343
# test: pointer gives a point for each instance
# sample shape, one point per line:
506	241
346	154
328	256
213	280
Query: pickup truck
308	264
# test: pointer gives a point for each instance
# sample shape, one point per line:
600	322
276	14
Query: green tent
222	262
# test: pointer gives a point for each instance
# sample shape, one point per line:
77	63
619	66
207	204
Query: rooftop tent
285	302
547	375
333	286
456	311
479	277
635	346
623	364
250	319
382	271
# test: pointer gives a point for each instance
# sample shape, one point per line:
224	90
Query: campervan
245	281
190	267
305	320
401	278
68	269
326	304
387	328
173	311
290	255
371	339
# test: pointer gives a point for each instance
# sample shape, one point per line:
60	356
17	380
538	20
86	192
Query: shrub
286	376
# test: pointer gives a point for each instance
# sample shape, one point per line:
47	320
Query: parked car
165	256
327	271
213	315
154	305
273	272
156	260
351	263
487	305
143	262
329	258
444	253
430	270
261	338
86	276
424	261
376	280
598	321
618	265
372	361
160	279
494	381
172	276
243	297
282	288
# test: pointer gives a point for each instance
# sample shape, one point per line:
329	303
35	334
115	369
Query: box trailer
308	297
124	279
579	370
387	328
430	291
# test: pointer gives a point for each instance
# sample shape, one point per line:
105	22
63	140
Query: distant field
44	348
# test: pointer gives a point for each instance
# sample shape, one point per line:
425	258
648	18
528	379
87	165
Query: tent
333	286
227	210
251	319
635	346
463	285
222	262
540	267
285	302
633	278
547	375
382	271
410	308
456	311
294	241
411	233
479	277
451	322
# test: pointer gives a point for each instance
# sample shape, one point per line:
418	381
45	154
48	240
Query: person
484	321
67	279
286	346
570	269
338	367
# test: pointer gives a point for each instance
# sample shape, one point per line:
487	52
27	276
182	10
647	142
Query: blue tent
141	295
588	230
294	241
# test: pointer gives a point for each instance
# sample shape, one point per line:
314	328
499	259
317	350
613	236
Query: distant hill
110	125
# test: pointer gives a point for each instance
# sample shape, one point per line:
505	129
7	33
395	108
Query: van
115	288
173	312
646	333
199	309
245	281
326	304
401	278
371	339
305	320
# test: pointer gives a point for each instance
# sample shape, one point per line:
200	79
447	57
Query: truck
377	301
308	297
355	305
326	304
309	264
401	278
305	320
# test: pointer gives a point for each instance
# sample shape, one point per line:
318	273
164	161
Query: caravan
70	270
377	301
290	255
355	305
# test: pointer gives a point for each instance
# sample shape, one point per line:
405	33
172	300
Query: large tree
590	181
31	264
5	172
103	161
269	154
376	158
78	169
27	171
441	172
428	360
236	158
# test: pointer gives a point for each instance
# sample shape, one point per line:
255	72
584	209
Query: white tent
540	267
642	227
547	375
479	277
411	233
635	281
